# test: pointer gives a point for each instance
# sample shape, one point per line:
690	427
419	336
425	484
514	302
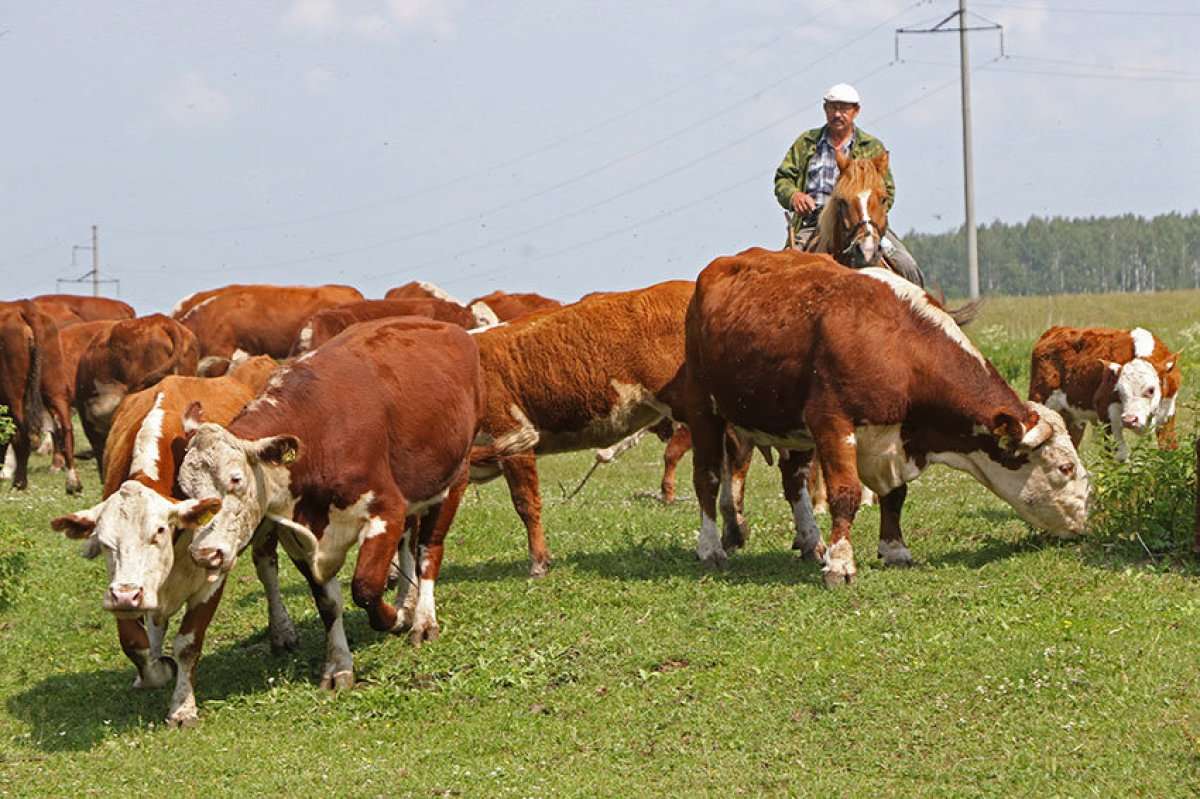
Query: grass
1005	663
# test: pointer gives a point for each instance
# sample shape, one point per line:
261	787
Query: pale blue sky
559	147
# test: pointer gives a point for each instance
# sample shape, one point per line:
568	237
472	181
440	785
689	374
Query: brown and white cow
583	376
421	289
513	306
33	386
349	445
132	355
1120	379
259	320
800	353
326	324
144	527
84	308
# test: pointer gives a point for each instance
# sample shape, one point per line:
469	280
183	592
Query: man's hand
802	203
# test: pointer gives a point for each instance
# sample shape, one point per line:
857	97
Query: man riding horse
805	179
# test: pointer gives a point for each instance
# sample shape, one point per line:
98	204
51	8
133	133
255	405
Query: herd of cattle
316	420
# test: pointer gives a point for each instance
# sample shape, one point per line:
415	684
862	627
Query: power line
1106	12
1094	76
540	150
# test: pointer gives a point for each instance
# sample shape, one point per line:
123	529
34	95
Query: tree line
1068	256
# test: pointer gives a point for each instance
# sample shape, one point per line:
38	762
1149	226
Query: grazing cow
334	466
800	353
85	308
580	377
421	290
513	306
1121	379
131	355
33	385
326	324
144	527
259	320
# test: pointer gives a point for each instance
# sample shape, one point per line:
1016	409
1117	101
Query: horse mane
859	175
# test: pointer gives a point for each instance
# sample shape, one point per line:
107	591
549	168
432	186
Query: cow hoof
718	561
421	635
181	720
667	497
734	537
337	681
74	486
894	554
285	641
839	567
157	674
539	568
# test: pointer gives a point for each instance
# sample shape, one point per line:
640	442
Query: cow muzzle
1131	422
124	598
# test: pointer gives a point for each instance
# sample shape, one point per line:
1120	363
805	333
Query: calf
144	527
334	464
580	377
132	355
800	353
258	320
324	325
1121	379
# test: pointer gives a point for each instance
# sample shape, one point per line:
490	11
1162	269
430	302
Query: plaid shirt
823	171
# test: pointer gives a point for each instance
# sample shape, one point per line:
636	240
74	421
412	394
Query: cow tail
34	408
507	445
171	365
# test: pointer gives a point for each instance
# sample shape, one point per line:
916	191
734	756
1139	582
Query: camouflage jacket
792	173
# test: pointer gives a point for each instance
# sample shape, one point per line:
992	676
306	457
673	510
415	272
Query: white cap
841	93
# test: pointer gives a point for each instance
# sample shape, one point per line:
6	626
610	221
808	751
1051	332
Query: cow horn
1037	435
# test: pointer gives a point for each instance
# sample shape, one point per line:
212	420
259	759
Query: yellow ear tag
289	457
205	518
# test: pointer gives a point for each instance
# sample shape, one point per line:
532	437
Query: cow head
248	477
484	315
137	529
1130	394
1033	466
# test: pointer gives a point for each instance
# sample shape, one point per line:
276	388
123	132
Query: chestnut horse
852	224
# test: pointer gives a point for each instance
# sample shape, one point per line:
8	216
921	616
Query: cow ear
881	162
275	450
1008	431
193	417
843	160
81	526
1172	361
1109	366
192	513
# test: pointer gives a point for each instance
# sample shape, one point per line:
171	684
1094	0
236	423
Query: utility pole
94	274
964	66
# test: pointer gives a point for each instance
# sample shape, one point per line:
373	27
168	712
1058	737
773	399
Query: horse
851	225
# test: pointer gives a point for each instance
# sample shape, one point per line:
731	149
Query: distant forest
1068	256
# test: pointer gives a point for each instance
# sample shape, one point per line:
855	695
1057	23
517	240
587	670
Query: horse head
854	220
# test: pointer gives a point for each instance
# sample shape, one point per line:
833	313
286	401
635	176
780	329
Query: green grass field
1005	663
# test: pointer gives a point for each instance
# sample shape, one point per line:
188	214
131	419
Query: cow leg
836	446
520	472
64	441
404	565
280	630
891	540
379	537
153	670
338	671
734	466
1167	438
1117	430
10	462
677	447
21	447
794	466
430	549
188	644
708	456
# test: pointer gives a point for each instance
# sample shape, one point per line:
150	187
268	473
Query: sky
559	147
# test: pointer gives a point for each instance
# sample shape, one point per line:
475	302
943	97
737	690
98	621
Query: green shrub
1149	499
7	428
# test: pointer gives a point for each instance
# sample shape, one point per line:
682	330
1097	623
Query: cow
800	353
333	464
33	386
144	526
132	355
1121	379
583	376
421	290
85	308
259	320
324	325
513	306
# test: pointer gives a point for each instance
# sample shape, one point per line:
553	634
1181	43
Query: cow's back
509	307
221	398
566	367
75	340
86	308
327	323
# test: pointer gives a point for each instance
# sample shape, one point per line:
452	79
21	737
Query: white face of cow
1139	393
136	528
245	476
1044	481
